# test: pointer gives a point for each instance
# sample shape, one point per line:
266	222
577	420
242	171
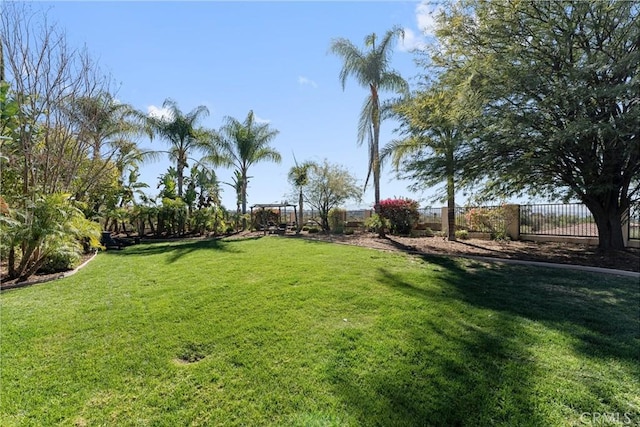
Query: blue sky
269	57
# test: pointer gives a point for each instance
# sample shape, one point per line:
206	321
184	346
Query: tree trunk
300	216
451	198
610	236
12	262
244	200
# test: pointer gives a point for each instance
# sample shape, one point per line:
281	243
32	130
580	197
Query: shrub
60	261
313	229
401	213
375	221
462	234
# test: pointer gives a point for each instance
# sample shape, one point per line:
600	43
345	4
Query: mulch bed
558	253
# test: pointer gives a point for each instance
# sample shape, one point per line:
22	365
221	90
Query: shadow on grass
179	248
468	368
598	309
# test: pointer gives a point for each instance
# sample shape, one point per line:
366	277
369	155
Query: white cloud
305	81
425	16
411	41
425	11
260	119
159	112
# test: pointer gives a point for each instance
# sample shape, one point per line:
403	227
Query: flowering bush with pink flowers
401	213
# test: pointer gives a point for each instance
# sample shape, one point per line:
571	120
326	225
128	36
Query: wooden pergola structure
280	226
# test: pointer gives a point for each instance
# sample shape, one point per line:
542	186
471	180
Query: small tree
299	177
401	213
329	186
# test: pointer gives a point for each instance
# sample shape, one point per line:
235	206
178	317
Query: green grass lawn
278	331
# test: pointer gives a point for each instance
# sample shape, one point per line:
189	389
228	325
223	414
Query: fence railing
571	219
484	219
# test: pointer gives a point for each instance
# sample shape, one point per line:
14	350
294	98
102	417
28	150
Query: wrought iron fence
430	215
571	219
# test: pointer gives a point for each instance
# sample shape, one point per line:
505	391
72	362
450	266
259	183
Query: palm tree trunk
375	160
300	217
244	200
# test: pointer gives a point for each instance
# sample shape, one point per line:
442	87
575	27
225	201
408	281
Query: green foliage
242	144
172	217
182	133
557	83
59	262
208	220
49	225
462	234
337	218
376	222
401	213
330	186
371	70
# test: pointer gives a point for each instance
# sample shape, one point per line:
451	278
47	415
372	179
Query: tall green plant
433	127
183	134
371	70
50	224
242	144
299	177
558	86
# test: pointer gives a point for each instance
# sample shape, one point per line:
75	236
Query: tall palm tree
242	144
182	132
371	70
102	122
107	128
299	177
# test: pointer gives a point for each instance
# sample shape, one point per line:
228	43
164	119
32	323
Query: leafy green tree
299	177
433	147
558	84
371	70
329	186
242	144
183	134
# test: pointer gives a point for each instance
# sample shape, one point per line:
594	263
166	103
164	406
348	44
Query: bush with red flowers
401	213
